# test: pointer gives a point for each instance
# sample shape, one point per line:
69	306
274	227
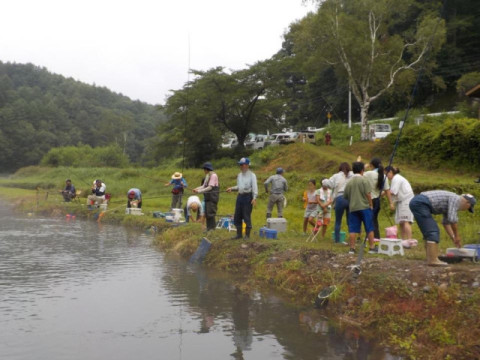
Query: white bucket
177	215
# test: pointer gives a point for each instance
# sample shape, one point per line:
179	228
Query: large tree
218	101
369	43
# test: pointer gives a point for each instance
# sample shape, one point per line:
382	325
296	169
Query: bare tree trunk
364	119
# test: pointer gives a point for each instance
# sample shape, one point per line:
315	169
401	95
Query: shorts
403	212
356	218
310	213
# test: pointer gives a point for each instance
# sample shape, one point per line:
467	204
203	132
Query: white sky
140	48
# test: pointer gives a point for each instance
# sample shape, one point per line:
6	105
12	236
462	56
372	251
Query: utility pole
349	107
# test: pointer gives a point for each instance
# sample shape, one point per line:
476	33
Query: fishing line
186	108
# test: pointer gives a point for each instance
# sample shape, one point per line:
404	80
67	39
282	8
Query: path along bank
417	311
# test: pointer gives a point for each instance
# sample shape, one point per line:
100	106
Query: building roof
474	92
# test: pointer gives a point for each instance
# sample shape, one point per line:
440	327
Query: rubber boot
239	234
432	255
247	233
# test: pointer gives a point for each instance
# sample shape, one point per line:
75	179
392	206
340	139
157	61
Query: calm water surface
79	290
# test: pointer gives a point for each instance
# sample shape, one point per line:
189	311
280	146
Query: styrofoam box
133	211
279	224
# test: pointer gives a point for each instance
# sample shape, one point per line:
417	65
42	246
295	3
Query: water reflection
74	290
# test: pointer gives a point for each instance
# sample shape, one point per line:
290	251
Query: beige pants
95	200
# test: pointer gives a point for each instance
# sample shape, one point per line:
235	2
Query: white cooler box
279	224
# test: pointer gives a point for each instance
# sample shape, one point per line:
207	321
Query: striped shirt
446	203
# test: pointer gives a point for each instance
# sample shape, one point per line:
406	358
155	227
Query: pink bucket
391	232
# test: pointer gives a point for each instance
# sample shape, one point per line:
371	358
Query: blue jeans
341	206
421	208
376	209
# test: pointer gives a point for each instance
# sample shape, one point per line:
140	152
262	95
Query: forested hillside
376	48
40	110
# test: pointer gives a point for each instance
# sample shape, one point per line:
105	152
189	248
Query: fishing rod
417	82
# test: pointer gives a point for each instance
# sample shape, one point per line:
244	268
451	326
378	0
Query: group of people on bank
354	191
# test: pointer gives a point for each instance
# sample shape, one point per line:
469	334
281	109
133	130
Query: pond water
80	290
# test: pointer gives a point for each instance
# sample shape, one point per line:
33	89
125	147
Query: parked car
288	138
228	143
314	129
379	131
250	141
306	137
272	140
260	142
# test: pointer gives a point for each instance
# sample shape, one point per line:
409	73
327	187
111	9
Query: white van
379	131
260	142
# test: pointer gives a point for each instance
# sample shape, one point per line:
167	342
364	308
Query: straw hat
177	176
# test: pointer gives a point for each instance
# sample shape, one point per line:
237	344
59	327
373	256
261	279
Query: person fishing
134	197
358	193
194	210
247	198
278	186
402	193
98	193
377	178
337	183
179	184
210	189
69	191
436	202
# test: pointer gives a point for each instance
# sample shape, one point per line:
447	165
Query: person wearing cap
210	189
69	191
134	196
98	193
194	207
436	202
247	198
179	184
278	187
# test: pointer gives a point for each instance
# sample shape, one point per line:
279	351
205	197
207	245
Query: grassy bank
421	312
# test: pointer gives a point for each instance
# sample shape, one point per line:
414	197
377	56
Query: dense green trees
40	110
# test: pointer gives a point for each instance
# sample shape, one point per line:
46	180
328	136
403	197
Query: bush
86	156
452	142
341	134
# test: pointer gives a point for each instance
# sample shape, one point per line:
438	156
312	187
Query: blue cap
244	161
280	170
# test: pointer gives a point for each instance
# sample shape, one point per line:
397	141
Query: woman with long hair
377	179
337	183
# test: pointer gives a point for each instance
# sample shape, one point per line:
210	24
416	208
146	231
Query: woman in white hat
179	184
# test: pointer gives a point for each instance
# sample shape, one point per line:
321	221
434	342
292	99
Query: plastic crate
271	233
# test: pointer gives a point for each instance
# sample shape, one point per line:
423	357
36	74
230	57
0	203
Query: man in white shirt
247	198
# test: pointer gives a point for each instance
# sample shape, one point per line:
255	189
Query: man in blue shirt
179	184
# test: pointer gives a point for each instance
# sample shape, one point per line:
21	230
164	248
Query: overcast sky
140	48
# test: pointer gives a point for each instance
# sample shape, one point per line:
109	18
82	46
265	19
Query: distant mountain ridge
40	110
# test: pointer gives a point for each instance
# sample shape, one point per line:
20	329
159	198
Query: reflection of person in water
242	335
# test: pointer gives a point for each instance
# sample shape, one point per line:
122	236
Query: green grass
301	161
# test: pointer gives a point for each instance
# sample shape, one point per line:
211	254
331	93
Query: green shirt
356	192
